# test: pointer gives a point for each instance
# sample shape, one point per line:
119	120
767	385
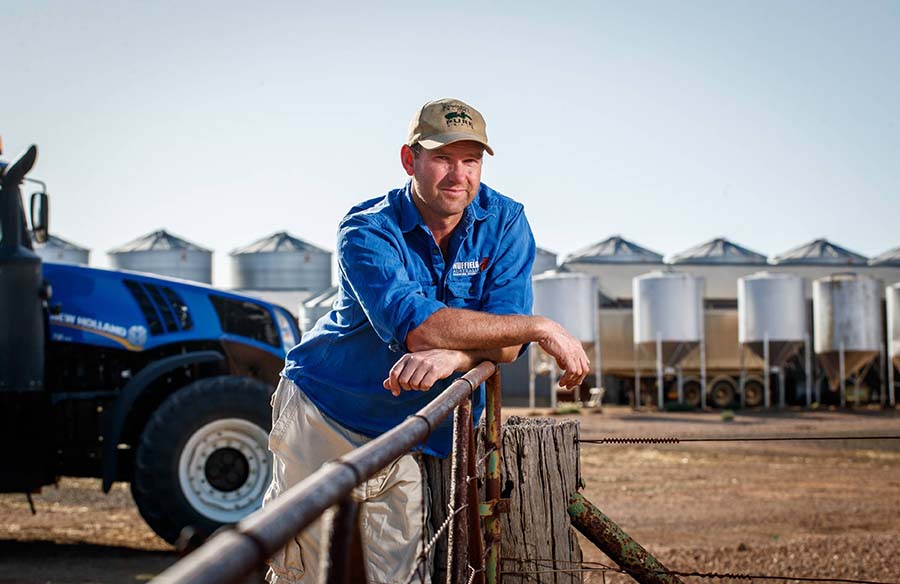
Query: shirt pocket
465	293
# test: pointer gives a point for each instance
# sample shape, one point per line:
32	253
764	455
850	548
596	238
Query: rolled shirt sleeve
508	289
372	264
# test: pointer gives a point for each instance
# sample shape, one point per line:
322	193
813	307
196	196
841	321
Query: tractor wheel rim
224	469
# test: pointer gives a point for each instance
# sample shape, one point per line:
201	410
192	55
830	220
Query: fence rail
233	554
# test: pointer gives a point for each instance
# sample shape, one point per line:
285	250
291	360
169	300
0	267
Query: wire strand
674	440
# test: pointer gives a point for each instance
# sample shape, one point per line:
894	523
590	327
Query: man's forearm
469	330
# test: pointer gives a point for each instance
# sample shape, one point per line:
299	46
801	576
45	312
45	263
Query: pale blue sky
768	122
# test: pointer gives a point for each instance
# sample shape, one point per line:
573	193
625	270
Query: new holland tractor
124	376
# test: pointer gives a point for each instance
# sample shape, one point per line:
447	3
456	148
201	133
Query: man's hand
421	370
568	352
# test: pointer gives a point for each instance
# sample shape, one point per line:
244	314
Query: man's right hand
568	352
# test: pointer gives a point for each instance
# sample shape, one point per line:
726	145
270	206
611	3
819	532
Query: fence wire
674	440
547	566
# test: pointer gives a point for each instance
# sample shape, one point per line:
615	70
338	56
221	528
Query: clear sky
669	122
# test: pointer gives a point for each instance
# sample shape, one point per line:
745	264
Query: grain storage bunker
847	326
165	254
772	324
281	262
543	260
668	322
571	300
59	250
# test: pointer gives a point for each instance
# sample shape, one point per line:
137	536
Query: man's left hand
421	370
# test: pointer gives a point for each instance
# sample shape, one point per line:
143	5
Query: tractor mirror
40	216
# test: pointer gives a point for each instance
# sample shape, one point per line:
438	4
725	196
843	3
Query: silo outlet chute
668	323
772	324
847	327
569	298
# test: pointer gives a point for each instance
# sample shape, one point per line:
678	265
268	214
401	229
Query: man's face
446	179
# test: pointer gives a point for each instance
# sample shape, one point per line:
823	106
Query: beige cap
445	121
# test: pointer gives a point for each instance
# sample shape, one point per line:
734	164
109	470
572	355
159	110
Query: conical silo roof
719	251
280	242
614	250
56	242
889	258
160	240
820	252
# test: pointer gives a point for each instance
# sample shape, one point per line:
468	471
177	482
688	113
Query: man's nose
457	172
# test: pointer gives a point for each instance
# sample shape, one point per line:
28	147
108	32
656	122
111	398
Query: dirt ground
792	509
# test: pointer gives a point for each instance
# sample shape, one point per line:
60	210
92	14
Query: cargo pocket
286	566
284	413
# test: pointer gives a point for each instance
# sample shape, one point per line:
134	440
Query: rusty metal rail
232	555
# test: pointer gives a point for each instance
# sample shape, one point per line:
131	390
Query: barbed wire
675	440
600	567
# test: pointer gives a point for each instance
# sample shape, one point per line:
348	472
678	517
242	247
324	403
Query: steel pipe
232	556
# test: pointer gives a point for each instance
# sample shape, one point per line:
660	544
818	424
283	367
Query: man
434	278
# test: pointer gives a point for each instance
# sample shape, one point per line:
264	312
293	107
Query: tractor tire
202	460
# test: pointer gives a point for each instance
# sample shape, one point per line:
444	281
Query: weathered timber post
539	470
540	461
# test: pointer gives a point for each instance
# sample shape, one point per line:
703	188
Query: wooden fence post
540	469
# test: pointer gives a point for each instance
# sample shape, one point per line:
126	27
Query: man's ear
407	159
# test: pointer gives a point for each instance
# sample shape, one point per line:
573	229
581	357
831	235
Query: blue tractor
124	376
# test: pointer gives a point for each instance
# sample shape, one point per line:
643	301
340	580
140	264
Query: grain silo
57	249
889	258
165	254
543	260
668	321
820	252
281	262
571	300
772	323
316	307
719	251
847	327
892	294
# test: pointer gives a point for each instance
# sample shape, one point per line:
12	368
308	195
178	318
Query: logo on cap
459	116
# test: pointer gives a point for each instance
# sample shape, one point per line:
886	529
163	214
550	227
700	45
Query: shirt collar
410	216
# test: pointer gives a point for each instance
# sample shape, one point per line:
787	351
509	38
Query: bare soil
792	509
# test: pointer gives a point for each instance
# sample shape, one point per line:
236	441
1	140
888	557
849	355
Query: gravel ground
793	509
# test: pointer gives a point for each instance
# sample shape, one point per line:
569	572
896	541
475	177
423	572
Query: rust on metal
489	508
233	555
459	494
492	444
615	543
476	539
345	562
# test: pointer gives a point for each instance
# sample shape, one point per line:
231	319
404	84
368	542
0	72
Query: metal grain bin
668	312
719	251
59	250
543	260
892	296
570	299
165	254
771	307
281	262
316	307
846	324
820	252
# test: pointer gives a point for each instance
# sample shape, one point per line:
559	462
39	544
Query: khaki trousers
394	510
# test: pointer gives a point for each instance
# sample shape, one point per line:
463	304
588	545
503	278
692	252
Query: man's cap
445	121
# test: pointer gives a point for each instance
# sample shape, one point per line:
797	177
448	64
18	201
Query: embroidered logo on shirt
471	267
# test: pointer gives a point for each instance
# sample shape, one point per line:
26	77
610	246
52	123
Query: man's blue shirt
392	277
